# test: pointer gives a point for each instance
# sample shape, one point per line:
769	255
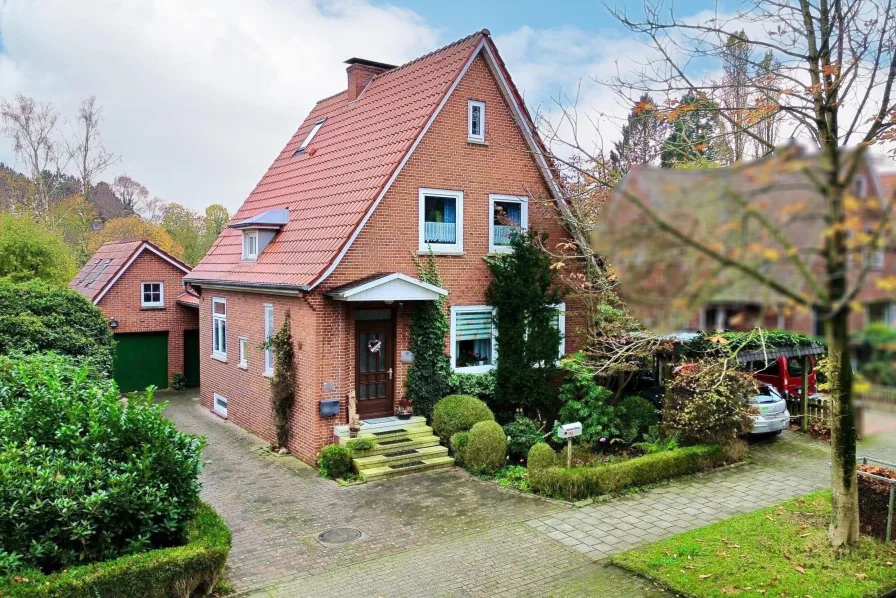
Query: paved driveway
448	534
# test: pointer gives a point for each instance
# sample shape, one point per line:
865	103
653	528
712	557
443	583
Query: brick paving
448	534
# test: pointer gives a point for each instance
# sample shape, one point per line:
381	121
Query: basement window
310	136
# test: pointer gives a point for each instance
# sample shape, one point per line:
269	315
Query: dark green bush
637	415
85	477
334	461
582	482
360	444
522	434
585	401
481	386
178	381
37	317
459	442
191	569
541	456
486	450
458	413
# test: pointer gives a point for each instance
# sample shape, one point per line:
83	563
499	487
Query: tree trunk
844	527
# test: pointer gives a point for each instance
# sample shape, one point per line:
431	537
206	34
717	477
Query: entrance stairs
399	447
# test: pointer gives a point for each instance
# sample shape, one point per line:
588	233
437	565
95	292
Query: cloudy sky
199	96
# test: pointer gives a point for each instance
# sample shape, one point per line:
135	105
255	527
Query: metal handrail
891	482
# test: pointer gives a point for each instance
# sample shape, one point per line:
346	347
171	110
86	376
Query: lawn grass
779	551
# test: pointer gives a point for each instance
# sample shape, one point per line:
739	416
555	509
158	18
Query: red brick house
139	288
408	159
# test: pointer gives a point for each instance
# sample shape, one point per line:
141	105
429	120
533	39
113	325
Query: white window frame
219	320
219	404
310	137
471	137
268	333
524	218
860	185
160	302
443	248
243	343
476	369
247	235
561	324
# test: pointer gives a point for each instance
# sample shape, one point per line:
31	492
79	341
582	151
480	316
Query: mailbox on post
569	431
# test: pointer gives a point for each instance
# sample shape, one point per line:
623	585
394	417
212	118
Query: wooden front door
374	368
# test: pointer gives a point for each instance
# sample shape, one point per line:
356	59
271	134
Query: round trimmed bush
638	414
459	444
541	456
458	413
334	461
486	450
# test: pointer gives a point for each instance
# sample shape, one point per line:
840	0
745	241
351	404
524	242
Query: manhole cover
339	535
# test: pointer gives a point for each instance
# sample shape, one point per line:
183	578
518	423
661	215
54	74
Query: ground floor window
219	327
220	406
472	339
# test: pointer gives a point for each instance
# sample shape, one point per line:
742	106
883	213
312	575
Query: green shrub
709	403
459	442
541	456
37	317
486	451
587	402
657	442
582	482
360	444
191	569
334	461
178	381
481	386
458	413
637	415
522	434
120	475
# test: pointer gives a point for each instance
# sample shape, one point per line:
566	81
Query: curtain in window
444	231
473	325
514	212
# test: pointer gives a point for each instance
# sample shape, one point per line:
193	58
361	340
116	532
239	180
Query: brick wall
122	302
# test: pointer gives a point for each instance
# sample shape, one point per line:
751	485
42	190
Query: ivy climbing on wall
283	384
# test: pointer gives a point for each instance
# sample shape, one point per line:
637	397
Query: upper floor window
858	185
250	244
219	327
268	333
476	121
310	137
873	258
441	220
509	213
152	294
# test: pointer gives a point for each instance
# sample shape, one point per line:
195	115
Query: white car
773	415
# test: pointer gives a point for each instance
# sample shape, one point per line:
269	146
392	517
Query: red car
785	374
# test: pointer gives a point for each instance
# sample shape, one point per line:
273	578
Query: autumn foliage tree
133	228
823	72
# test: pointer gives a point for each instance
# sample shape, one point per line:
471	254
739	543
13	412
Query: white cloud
199	96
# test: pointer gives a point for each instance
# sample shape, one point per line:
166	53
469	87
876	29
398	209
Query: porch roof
387	286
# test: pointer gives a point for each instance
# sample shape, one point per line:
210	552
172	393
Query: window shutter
473	325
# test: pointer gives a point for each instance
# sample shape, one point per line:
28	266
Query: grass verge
779	551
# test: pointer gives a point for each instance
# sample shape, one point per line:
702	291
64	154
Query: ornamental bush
36	316
541	456
459	442
85	477
486	450
585	401
458	413
334	461
709	403
522	434
638	415
481	386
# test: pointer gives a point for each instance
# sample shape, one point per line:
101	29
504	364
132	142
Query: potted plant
354	426
404	409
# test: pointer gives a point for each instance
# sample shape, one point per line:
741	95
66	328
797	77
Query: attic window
476	122
250	244
310	136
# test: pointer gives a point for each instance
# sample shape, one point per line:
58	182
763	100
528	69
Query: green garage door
140	360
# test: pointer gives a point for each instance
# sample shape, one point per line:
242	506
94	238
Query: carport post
805	390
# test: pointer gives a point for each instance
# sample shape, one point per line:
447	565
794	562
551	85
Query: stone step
387	471
381	424
396	444
399	456
415	430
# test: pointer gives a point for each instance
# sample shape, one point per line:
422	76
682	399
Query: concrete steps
399	447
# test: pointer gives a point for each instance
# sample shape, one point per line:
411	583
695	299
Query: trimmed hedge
334	461
486	450
582	482
459	442
179	571
458	413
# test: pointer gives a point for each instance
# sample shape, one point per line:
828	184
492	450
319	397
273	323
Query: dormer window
250	244
310	136
476	122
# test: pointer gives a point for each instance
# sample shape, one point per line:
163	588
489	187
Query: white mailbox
570	430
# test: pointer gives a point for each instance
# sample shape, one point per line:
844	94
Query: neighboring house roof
109	262
188	300
333	186
888	182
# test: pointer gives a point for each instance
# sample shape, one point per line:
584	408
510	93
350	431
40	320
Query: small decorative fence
878	397
877	497
818	408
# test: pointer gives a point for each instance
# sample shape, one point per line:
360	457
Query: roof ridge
429	54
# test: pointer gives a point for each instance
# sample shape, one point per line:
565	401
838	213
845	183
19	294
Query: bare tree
85	148
133	195
32	127
154	210
830	80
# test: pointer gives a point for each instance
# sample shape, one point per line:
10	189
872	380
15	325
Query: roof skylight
310	136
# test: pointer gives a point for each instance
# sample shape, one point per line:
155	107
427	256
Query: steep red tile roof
109	262
330	187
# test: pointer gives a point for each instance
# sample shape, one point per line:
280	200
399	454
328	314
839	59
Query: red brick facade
122	302
324	329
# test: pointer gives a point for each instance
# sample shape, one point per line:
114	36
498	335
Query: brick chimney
360	72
